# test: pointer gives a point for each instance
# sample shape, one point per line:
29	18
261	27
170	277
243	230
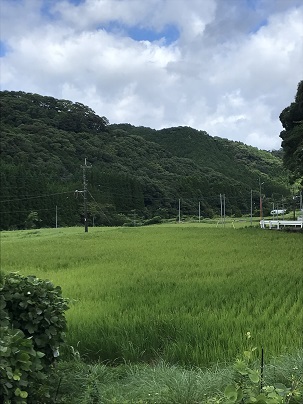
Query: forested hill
136	171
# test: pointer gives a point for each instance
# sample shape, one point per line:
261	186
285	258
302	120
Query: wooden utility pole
251	206
261	199
85	167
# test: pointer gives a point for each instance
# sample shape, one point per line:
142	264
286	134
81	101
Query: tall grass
184	293
161	383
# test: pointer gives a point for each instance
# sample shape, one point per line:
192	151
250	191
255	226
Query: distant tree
292	135
32	220
277	153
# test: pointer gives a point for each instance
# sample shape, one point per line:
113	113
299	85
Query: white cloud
231	71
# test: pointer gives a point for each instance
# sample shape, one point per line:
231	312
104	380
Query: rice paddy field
185	294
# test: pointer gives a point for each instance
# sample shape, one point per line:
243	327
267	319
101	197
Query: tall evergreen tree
292	135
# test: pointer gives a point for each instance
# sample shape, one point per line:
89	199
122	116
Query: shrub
153	220
21	370
37	308
32	329
249	387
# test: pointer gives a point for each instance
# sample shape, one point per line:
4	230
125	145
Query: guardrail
280	223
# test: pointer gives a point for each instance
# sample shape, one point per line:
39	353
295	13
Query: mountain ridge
45	141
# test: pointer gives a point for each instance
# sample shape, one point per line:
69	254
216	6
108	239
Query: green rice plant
183	293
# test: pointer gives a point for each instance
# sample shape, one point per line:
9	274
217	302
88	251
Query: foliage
32	220
37	308
292	135
153	220
159	382
21	369
32	329
45	140
248	386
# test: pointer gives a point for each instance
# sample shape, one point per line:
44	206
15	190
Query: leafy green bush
21	369
249	385
37	308
32	325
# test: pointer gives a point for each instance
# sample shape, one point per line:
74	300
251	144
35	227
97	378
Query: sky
227	67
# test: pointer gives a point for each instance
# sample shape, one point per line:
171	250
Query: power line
36	197
28	210
99	206
109	193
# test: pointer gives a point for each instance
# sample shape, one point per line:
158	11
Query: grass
185	294
160	383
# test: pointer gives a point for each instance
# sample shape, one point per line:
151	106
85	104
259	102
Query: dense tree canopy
136	171
292	135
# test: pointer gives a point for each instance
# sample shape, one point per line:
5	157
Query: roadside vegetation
76	382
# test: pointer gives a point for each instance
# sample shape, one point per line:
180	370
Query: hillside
232	159
135	170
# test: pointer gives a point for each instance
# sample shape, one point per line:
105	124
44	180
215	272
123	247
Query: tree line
135	170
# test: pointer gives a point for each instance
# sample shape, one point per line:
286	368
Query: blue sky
3	48
225	66
170	33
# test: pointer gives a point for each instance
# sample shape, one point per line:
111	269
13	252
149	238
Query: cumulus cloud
230	69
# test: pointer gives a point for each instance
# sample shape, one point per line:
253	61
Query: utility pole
294	204
224	208
222	203
179	210
199	212
251	206
221	209
56	216
261	207
84	167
